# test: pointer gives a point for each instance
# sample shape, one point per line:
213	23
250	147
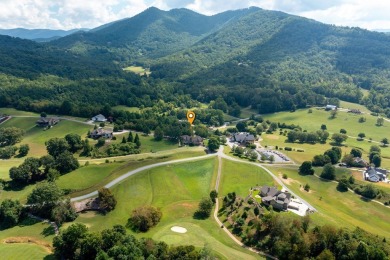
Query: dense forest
268	60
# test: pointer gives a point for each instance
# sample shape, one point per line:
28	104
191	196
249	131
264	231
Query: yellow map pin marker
190	117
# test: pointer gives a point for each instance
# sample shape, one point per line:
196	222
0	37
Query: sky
70	14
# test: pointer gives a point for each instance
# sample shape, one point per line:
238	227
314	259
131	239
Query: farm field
176	189
344	209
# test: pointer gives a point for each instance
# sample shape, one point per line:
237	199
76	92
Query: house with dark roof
243	138
47	121
273	197
100	132
375	174
99	118
191	140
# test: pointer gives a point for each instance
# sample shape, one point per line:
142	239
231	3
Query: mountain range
246	56
38	35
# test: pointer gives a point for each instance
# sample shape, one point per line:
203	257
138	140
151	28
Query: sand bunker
178	229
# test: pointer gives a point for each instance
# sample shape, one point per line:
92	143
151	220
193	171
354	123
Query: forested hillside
268	60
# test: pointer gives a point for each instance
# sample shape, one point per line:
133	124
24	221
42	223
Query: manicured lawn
15	112
348	121
39	234
36	137
313	149
148	144
6	165
240	177
344	209
176	189
24	251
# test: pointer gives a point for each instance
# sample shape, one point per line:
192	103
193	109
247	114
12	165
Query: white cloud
67	14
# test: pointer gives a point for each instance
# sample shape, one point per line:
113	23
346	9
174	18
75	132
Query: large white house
99	118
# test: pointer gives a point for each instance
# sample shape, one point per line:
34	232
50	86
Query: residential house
359	162
99	118
191	140
330	107
243	138
375	174
273	197
3	118
47	121
100	132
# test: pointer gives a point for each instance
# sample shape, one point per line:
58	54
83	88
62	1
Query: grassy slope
36	137
344	209
15	112
313	121
176	189
239	177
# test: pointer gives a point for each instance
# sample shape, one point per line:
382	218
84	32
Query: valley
247	134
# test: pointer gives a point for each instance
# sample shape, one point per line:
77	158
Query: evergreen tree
130	137
123	140
137	141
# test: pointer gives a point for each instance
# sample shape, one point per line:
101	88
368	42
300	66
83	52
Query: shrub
287	148
144	218
300	150
306	187
285	176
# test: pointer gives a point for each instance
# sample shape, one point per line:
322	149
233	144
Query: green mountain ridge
268	60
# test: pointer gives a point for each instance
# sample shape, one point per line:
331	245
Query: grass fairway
240	177
347	121
23	251
36	137
34	241
176	189
344	209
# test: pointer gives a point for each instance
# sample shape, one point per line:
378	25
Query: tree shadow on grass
365	199
200	215
48	231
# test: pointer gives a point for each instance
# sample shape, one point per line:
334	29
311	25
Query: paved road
270	173
61	118
238	242
130	173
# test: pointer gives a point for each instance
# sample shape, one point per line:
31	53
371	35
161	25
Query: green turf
240	177
39	234
176	189
15	112
148	144
344	209
348	121
36	137
24	251
349	105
